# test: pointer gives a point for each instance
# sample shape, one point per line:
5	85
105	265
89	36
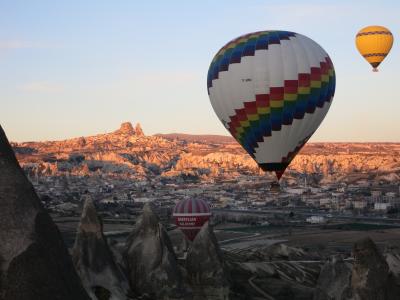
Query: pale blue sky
75	68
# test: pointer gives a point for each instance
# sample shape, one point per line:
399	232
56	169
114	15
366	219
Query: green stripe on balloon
301	99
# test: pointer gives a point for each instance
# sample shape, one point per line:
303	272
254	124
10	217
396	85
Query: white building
316	220
360	204
324	201
376	194
382	206
143	200
296	191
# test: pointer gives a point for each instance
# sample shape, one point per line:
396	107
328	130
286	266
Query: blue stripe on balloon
247	48
262	128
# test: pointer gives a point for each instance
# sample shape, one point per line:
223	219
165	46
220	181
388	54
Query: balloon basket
375	70
275	187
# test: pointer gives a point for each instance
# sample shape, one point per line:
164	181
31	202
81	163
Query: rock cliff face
205	267
93	258
139	130
150	259
126	129
34	262
370	276
392	256
334	280
128	152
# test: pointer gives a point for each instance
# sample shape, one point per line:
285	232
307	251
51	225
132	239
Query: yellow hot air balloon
374	44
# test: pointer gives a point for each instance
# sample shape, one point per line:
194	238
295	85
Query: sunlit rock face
127	152
34	262
94	260
334	280
139	130
152	266
126	128
205	267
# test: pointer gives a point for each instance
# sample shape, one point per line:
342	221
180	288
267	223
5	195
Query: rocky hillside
128	152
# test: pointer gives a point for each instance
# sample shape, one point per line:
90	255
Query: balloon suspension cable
375	70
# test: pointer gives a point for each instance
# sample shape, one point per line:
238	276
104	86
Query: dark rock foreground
205	267
34	262
94	260
152	266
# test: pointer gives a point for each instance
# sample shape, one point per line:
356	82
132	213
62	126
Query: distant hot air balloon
190	215
271	90
374	44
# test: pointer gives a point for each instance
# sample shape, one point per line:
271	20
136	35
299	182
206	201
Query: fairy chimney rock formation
34	262
205	267
139	130
151	262
334	280
126	128
93	258
370	276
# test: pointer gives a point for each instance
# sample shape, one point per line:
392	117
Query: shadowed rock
370	277
34	262
334	280
205	267
392	256
150	260
93	258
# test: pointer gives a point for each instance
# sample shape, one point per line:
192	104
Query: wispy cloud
42	87
18	44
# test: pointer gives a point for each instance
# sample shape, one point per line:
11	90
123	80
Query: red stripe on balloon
315	74
304	80
262	100
250	108
276	93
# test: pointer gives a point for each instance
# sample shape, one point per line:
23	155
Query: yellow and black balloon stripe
374	43
373	32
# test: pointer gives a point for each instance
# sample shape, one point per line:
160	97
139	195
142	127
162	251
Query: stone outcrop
128	152
152	266
370	276
205	267
334	280
392	256
94	260
34	262
139	130
280	251
126	128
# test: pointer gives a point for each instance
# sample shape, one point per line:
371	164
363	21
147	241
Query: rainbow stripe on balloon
245	45
282	105
262	118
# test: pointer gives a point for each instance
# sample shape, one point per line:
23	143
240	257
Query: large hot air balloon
374	44
271	90
190	215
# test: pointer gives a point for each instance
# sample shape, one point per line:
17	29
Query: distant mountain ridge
202	138
127	152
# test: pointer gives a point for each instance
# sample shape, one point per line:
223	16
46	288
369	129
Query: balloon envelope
271	90
374	44
190	215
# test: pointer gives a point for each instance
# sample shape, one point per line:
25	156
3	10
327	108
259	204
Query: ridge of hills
200	138
129	152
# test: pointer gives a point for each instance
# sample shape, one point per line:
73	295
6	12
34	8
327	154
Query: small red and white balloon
190	215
